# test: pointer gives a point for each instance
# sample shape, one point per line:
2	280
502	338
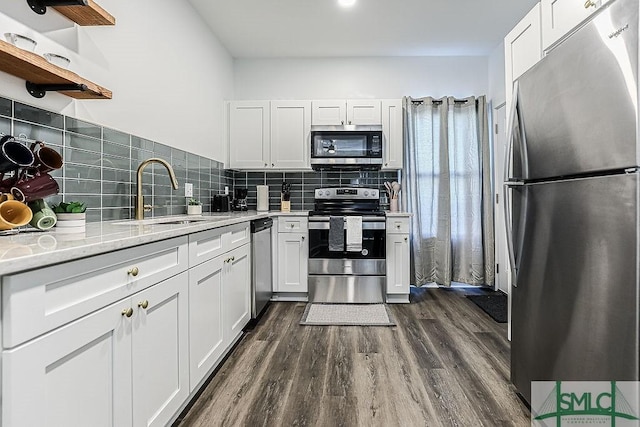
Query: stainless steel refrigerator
573	191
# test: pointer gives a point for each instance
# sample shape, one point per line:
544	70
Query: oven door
373	240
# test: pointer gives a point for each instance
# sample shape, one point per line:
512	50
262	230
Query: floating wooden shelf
89	15
35	69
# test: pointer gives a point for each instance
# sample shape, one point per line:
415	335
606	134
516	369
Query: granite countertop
398	214
32	249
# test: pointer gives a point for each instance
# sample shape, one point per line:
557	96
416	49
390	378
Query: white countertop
398	214
33	249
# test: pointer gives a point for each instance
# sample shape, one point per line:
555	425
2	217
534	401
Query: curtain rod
435	101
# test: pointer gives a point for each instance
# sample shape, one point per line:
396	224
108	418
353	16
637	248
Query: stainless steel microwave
346	147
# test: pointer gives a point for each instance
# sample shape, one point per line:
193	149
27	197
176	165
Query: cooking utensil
387	185
396	189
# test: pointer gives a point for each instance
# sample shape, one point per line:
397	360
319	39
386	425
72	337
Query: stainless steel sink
173	220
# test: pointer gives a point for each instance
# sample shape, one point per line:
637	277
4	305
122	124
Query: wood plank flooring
446	363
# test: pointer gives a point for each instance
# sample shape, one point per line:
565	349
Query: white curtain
447	182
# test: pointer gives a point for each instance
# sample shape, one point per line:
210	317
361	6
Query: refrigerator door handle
515	131
508	186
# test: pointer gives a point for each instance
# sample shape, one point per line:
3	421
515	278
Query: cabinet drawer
398	225
209	244
292	224
40	300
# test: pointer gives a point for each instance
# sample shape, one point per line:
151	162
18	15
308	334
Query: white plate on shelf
59	60
21	41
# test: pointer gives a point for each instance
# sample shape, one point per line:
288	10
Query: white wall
389	77
168	72
496	94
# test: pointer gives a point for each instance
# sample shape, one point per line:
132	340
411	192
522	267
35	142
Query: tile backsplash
303	184
100	167
100	164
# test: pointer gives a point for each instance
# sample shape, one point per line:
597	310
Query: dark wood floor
446	363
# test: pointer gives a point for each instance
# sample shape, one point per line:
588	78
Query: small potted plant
71	216
194	207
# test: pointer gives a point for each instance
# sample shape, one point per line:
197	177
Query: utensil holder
393	205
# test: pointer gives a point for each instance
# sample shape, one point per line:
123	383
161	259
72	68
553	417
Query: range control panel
350	193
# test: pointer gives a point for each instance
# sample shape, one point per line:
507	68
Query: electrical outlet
188	189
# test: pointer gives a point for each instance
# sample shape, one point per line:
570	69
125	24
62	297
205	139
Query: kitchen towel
263	197
354	233
336	233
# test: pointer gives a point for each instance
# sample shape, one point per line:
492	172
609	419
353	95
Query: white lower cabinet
219	308
398	262
293	255
105	369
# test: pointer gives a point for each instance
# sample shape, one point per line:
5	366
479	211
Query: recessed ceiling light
346	3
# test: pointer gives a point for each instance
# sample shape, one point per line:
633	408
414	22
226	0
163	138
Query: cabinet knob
133	271
589	3
303	238
127	312
349	121
406	238
144	304
233	258
398	226
386	164
265	165
292	225
341	122
273	165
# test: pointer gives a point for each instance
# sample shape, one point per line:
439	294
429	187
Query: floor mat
347	315
495	305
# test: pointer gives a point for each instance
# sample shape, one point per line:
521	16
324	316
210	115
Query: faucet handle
147	208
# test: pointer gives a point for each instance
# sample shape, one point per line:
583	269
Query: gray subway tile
141	143
161	190
5	107
94	215
39	133
116	213
138	156
89	158
78	171
116	149
177	154
38	115
83	128
162	151
91	201
83	142
117	201
118	176
116	136
5	125
123	163
121	188
81	186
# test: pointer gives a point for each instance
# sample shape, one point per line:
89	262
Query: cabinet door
77	375
236	292
523	49
160	351
329	112
364	112
397	263
205	317
559	17
290	134
249	136
293	254
392	129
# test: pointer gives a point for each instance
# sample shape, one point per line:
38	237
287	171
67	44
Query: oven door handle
364	218
365	226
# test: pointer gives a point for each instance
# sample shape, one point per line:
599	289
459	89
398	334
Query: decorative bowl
55	59
20	41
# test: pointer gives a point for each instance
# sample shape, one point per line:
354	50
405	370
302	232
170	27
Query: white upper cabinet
346	112
290	134
364	112
249	135
523	49
329	112
559	17
392	130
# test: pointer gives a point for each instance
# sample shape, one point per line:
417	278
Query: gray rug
347	315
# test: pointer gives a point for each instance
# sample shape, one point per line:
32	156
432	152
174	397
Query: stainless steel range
347	246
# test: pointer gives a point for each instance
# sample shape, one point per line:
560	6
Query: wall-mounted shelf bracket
40	90
40	6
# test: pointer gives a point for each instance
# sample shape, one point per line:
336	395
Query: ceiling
321	28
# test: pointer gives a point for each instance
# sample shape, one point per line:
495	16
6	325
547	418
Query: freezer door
577	108
575	307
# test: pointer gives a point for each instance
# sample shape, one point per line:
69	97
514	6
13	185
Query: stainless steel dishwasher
261	282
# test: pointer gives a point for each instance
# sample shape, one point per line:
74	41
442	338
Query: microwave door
340	146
